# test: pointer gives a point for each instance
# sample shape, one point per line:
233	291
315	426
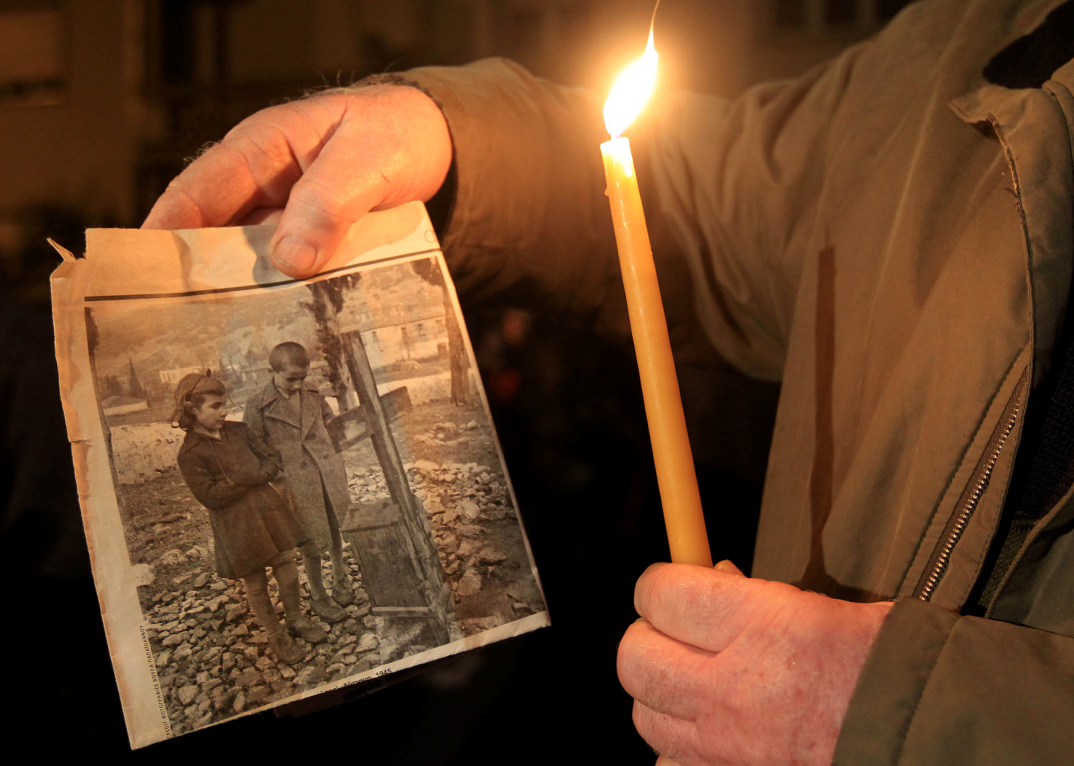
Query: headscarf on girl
190	393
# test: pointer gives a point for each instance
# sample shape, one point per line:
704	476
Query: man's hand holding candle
723	669
726	669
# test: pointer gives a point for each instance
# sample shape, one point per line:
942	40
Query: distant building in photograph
171	378
121	405
421	336
400	316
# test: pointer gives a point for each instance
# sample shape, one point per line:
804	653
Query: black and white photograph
308	481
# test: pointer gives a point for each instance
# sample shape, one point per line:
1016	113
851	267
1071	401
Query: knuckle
624	663
311	117
659	732
649	586
268	142
648	673
226	156
643	720
626	658
177	197
320	195
298	108
678	593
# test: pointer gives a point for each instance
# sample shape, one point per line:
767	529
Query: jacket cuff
529	221
442	204
892	683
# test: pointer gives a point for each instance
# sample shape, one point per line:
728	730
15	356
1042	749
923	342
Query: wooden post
326	317
460	367
414	519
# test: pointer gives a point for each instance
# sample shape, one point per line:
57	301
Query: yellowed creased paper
435	555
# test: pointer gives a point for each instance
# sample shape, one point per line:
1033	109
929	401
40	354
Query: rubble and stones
212	656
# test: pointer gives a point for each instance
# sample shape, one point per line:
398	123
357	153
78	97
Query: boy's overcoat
312	466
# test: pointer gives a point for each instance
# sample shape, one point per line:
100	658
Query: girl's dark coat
230	476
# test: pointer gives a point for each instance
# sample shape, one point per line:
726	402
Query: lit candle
683	517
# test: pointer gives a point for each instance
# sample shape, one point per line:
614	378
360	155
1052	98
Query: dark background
101	101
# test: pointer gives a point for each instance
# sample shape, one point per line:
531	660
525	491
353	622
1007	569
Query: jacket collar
278	407
1034	127
193	438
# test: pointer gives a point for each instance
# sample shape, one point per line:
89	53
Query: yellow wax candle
683	517
659	384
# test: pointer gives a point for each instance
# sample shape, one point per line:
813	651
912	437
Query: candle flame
631	90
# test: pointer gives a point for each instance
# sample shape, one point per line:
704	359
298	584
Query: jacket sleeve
254	418
939	688
215	493
269	465
728	189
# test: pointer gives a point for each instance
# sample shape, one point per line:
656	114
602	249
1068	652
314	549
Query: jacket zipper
971	496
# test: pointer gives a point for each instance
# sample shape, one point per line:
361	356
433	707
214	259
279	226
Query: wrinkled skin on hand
726	669
315	166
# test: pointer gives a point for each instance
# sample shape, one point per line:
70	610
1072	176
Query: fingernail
295	253
729	568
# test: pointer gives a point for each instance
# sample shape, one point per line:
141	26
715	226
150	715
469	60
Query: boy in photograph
291	415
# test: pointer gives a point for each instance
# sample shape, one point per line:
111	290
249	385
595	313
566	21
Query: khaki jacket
890	236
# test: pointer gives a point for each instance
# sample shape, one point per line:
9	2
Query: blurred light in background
32	56
101	101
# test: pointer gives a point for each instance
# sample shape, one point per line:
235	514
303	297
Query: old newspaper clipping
289	487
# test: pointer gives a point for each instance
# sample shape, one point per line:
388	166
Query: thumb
322	206
728	568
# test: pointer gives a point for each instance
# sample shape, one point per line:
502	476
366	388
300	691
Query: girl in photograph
229	470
